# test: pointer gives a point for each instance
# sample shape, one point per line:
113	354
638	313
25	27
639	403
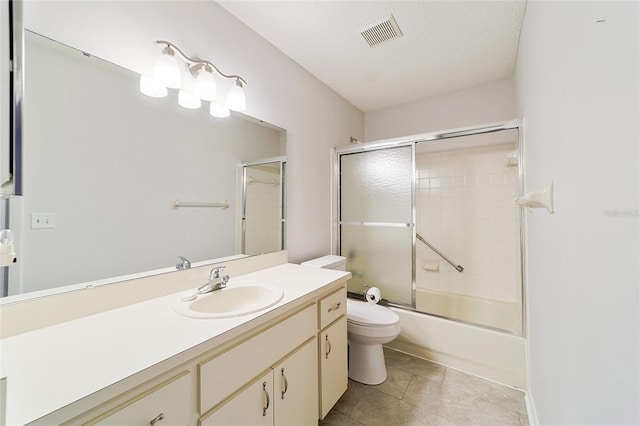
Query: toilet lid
365	313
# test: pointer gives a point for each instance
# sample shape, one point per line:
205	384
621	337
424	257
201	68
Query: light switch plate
43	220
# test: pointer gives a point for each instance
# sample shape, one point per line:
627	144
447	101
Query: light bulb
235	98
218	110
7	253
151	87
205	85
6	237
167	69
188	100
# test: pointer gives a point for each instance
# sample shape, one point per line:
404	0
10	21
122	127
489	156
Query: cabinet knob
266	394
335	307
157	419
286	383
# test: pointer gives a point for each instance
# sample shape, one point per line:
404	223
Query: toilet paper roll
373	295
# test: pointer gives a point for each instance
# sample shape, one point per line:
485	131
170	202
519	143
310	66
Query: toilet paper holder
367	291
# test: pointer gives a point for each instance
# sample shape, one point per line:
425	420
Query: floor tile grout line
482	394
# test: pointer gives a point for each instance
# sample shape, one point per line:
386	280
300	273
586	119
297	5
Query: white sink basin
237	299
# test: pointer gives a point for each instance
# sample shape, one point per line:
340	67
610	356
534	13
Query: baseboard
531	409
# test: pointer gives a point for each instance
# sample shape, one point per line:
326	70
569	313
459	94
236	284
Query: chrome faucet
183	263
216	282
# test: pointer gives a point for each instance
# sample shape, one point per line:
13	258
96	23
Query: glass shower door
376	220
263	220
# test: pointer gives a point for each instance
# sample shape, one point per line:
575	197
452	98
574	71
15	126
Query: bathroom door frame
516	124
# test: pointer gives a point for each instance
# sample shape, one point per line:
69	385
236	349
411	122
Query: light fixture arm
193	62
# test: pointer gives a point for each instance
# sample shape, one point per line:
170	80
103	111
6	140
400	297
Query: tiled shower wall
465	208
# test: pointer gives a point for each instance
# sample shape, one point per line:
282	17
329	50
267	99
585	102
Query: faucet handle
215	272
183	263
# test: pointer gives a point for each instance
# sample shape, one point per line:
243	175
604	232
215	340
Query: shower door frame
413	140
364	148
282	160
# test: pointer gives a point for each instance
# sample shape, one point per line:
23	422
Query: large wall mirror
104	165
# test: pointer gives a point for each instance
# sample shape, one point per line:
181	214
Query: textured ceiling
445	46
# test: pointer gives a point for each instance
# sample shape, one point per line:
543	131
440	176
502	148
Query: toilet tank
328	262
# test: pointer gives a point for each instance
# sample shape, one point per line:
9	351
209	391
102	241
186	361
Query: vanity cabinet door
252	406
333	364
223	374
165	404
296	387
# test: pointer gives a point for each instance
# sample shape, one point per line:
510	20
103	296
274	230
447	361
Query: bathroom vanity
143	363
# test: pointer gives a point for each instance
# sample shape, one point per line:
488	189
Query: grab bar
458	267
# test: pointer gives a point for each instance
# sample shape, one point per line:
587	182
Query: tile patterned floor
419	392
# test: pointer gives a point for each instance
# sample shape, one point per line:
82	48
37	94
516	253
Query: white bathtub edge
496	356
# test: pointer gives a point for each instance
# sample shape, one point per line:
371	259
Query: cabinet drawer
332	306
168	403
227	372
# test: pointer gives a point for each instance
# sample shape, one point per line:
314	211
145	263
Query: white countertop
52	367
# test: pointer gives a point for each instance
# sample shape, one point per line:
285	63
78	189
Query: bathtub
491	354
491	313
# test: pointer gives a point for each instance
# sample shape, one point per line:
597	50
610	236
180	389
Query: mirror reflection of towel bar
178	204
273	181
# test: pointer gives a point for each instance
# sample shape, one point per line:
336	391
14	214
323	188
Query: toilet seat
369	315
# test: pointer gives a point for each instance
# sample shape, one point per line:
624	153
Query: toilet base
366	363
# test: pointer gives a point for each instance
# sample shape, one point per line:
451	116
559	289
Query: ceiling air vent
381	31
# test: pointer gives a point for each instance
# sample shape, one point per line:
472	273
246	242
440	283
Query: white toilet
369	326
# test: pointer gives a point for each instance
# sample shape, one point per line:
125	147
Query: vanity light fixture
188	100
167	69
167	74
151	87
235	97
218	110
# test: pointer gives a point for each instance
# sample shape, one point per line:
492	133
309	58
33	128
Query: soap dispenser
7	253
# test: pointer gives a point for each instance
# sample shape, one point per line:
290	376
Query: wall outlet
43	220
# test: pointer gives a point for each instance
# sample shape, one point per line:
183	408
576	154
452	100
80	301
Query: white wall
279	91
578	90
478	105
